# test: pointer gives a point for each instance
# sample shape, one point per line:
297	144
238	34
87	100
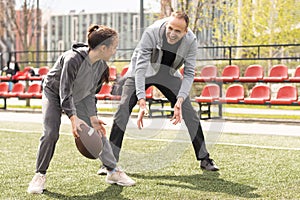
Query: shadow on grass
111	192
208	182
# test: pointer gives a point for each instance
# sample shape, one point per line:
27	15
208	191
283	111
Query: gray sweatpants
52	113
169	86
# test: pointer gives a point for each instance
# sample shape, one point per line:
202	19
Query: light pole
37	33
141	17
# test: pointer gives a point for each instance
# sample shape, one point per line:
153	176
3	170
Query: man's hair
181	15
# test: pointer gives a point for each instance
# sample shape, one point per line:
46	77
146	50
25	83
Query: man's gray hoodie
75	80
146	59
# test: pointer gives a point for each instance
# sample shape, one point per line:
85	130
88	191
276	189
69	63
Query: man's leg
192	122
169	86
121	117
195	130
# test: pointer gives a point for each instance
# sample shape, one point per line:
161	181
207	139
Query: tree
6	33
165	8
197	10
27	28
258	22
245	22
24	26
201	14
23	23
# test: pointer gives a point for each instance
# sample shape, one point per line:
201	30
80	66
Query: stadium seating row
27	74
209	73
253	73
260	95
34	91
18	91
210	94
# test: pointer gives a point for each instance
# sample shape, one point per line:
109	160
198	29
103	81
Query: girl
70	87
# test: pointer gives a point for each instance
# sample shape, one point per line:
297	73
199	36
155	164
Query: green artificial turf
161	162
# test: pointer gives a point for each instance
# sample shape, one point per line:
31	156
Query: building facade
65	30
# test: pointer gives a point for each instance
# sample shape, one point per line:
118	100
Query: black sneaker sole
213	170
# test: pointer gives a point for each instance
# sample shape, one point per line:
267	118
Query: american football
89	144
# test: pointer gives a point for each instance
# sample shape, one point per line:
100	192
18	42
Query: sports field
161	161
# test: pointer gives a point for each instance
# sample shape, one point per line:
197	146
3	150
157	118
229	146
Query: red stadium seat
296	77
149	92
43	70
208	73
38	95
5	78
259	95
151	99
124	70
16	90
229	74
277	73
20	75
34	89
253	73
234	94
23	75
112	73
210	93
286	95
41	73
105	92
3	88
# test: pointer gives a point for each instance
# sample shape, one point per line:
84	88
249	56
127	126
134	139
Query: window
136	28
60	45
74	29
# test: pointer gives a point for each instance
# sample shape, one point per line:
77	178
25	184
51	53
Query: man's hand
142	112
76	122
177	111
97	124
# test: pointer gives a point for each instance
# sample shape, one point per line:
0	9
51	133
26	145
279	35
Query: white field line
170	140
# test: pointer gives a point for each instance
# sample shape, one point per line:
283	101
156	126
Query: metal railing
250	52
208	53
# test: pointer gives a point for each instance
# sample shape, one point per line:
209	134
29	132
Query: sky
64	6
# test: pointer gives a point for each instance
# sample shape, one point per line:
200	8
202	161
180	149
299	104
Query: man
164	47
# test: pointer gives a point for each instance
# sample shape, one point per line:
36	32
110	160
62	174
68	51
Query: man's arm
144	51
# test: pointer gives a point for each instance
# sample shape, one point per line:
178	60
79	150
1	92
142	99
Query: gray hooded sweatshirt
146	59
75	80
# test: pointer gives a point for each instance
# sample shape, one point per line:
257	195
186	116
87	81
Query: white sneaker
102	171
37	184
120	178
